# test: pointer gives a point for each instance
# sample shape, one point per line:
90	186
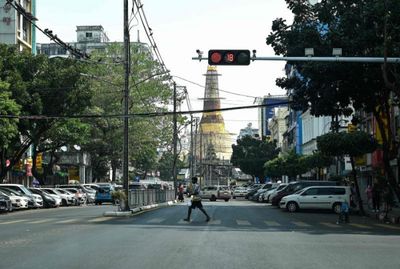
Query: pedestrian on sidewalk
344	213
376	198
195	202
368	192
180	193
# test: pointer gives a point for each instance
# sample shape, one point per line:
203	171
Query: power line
146	114
229	92
49	33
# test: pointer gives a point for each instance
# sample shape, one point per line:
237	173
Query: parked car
215	192
48	201
317	197
33	201
5	203
272	192
239	192
295	186
253	190
66	199
103	195
80	196
70	195
18	201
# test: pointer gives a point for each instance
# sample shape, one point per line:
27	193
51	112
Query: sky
180	27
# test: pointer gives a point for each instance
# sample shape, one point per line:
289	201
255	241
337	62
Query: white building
277	125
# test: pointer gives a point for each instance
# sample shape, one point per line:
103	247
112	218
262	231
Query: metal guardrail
138	198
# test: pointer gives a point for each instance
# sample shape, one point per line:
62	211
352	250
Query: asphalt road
241	234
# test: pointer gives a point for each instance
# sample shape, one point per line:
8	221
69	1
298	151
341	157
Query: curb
137	209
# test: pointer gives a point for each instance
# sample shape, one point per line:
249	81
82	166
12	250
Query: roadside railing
138	198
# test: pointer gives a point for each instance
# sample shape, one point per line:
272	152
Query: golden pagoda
214	148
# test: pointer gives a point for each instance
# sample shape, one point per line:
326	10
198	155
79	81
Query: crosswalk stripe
215	222
67	221
388	226
242	222
183	222
100	219
155	220
272	223
301	224
331	225
40	221
12	221
360	226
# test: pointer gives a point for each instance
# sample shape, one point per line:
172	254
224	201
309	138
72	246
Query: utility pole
191	146
175	139
126	104
195	148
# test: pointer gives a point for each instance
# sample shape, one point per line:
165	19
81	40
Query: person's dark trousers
201	209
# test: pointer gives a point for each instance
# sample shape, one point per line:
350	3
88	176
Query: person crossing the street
195	202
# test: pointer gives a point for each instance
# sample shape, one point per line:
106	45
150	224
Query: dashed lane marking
242	222
67	221
388	226
183	222
362	226
100	219
272	223
12	221
156	220
40	221
330	225
301	224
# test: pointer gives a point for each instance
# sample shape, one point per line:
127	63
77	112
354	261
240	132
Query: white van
317	197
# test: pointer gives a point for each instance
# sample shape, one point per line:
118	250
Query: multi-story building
267	112
16	29
277	125
248	131
89	38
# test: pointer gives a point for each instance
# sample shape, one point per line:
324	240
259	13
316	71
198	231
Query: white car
317	197
239	192
56	197
17	201
271	193
66	199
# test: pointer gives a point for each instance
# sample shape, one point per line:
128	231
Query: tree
250	154
351	144
49	89
165	165
361	28
149	92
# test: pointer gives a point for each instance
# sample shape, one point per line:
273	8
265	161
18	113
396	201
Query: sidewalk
393	215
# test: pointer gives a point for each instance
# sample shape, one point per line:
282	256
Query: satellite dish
64	148
77	147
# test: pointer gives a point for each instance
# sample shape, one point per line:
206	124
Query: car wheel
213	198
234	197
336	208
226	200
291	207
64	202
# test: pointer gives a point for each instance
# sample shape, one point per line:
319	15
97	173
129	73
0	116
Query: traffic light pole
320	59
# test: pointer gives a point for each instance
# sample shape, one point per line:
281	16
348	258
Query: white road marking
272	223
67	221
331	225
40	221
100	219
12	221
156	220
242	222
301	224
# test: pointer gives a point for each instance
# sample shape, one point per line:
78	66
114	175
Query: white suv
317	197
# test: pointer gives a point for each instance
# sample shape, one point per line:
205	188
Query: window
88	34
339	191
312	191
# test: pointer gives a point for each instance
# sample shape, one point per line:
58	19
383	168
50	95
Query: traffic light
229	57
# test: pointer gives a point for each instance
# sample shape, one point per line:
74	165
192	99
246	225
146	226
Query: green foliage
8	127
357	27
343	143
250	154
165	166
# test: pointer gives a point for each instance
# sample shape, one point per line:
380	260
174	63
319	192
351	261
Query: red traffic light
229	57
